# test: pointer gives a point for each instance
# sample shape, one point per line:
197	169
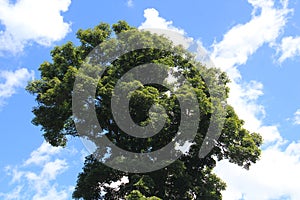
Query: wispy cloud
42	155
29	21
40	183
243	40
10	81
289	48
130	3
296	119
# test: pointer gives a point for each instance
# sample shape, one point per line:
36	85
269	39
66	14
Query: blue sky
257	42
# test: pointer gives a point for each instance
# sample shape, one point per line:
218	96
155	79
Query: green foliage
121	26
137	195
187	178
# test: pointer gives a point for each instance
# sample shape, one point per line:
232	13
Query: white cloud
29	21
13	195
52	169
275	175
297	117
40	183
159	25
243	40
244	98
10	81
289	48
42	154
153	20
117	184
130	3
53	194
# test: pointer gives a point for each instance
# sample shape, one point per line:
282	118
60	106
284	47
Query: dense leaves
187	178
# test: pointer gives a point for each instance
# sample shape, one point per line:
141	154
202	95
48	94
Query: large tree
188	177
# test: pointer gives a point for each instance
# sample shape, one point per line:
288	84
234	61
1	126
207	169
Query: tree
189	177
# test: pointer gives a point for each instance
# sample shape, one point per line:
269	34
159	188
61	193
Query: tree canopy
188	177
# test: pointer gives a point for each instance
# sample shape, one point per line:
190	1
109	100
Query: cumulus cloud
28	21
10	81
159	25
289	48
275	176
153	20
38	184
244	98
